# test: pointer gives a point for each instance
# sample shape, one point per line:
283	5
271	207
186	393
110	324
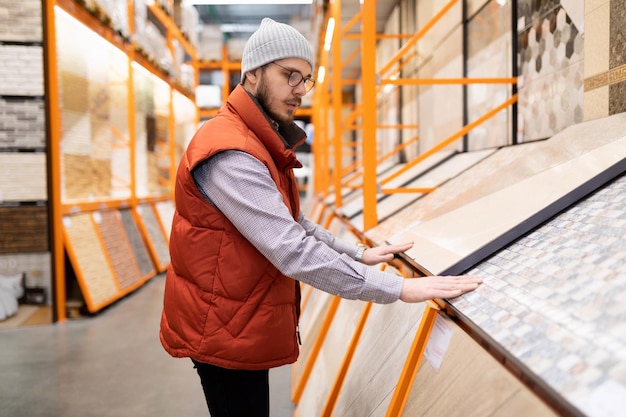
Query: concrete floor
111	364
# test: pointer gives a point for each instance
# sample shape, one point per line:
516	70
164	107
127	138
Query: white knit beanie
273	41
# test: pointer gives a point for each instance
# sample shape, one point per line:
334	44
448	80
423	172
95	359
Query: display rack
115	134
24	203
518	335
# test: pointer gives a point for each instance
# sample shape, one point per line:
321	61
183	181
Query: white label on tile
438	342
607	400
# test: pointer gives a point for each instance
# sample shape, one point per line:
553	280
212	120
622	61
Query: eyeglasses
296	77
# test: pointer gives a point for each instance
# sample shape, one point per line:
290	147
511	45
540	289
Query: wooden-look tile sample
88	256
140	250
155	234
24	229
330	358
468	186
470	383
118	247
310	324
378	360
457	240
23	176
555	300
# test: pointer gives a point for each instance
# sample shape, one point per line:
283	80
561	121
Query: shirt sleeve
241	187
317	231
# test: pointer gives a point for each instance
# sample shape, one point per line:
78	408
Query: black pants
235	393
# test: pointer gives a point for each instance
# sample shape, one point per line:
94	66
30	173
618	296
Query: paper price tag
438	342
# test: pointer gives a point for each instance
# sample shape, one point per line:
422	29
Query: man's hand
378	254
416	290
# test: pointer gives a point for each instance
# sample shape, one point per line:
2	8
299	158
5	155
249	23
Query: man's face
278	98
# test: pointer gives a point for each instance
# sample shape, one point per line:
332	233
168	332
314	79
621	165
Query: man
239	244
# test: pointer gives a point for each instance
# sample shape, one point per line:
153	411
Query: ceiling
308	19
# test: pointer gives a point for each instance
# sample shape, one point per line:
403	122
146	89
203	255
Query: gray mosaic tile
556	298
155	234
551	87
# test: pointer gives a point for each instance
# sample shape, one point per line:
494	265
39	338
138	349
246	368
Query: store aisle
109	365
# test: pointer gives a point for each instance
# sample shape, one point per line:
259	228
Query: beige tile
597	103
450	238
592	5
597	36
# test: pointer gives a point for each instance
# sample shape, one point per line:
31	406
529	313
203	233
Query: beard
263	95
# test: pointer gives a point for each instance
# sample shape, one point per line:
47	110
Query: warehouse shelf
108	191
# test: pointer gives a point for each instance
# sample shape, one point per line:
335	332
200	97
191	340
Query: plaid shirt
241	187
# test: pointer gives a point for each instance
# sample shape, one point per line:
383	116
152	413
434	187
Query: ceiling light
248	2
330	29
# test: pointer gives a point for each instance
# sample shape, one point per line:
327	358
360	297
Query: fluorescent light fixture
248	2
328	38
321	74
238	28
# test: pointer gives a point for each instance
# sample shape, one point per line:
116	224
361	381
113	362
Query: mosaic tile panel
153	228
24	229
23	176
556	301
22	123
137	243
450	243
21	21
21	72
118	247
95	277
551	71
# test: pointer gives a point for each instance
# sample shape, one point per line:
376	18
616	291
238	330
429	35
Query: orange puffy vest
224	302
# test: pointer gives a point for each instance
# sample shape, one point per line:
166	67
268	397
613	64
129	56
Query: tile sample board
118	247
434	177
589	155
555	300
95	276
330	358
378	359
489	175
311	321
23	229
355	206
157	241
470	383
140	250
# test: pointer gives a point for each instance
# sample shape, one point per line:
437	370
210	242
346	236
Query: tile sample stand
457	240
